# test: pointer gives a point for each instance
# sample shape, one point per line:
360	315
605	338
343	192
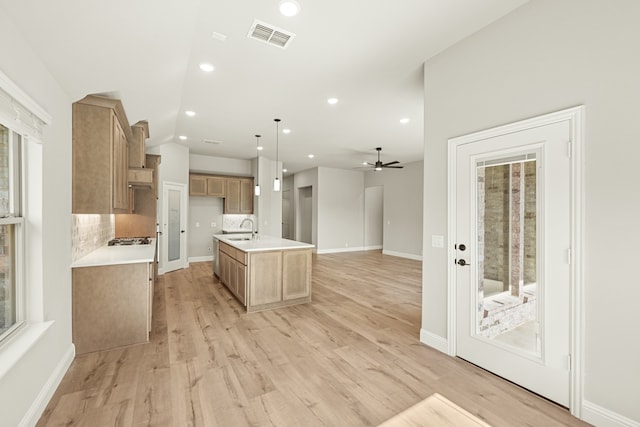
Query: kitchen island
265	272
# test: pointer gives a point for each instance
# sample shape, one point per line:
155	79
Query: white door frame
183	223
574	147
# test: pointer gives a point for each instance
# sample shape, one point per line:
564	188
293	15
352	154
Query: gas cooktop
126	241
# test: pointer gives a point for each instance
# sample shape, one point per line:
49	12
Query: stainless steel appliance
127	241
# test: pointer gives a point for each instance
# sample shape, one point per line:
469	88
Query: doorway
305	214
373	217
174	226
512	279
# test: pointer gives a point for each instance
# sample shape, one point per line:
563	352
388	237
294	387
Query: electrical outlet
213	224
209	249
197	225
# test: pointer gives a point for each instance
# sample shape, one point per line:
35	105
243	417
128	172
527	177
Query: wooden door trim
575	116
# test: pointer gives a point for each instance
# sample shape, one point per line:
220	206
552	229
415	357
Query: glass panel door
175	230
506	274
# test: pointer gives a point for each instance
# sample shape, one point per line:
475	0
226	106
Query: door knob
462	263
182	231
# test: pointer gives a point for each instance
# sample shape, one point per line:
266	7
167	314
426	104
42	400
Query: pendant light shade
276	182
257	188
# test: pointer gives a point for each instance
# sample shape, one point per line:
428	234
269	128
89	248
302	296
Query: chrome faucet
253	226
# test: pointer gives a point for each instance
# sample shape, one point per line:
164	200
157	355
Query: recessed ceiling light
284	170
182	137
218	36
332	101
207	67
365	163
404	120
311	156
190	113
260	148
289	7
286	130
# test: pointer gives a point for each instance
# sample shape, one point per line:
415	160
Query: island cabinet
112	305
100	135
233	270
268	277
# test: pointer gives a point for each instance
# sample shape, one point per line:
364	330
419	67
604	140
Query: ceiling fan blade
393	167
391	163
372	164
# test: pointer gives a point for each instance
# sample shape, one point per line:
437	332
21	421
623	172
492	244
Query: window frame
14	217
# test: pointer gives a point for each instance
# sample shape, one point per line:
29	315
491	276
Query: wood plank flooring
352	357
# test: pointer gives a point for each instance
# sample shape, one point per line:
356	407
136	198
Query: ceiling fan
378	166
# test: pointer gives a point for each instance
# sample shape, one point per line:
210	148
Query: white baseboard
46	393
201	258
434	341
402	255
372	248
603	417
338	250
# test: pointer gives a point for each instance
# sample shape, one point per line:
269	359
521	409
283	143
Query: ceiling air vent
211	141
270	34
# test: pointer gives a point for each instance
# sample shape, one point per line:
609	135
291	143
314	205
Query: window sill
19	344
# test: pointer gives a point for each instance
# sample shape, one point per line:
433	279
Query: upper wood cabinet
239	197
237	191
197	185
101	134
216	186
137	146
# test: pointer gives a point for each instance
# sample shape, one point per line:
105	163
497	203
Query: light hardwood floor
352	357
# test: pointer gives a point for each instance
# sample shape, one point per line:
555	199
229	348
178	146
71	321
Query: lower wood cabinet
112	305
233	270
266	279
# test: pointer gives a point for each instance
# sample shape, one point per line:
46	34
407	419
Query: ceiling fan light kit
378	165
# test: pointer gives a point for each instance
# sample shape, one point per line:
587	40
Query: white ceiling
369	54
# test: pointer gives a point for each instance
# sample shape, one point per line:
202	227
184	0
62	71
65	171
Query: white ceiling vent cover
270	34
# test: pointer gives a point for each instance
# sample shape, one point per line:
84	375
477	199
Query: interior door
512	254
174	226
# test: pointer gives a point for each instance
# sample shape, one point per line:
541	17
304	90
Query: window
11	288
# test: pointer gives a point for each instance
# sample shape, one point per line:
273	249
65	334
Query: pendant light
257	189
276	182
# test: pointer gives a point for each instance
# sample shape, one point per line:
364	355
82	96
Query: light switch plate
437	241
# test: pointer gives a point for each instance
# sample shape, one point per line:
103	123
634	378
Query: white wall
219	165
268	206
47	359
546	56
340	197
203	213
403	209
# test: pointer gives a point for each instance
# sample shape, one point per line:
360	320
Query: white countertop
111	255
262	243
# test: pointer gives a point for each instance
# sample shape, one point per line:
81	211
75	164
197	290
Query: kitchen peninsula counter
265	272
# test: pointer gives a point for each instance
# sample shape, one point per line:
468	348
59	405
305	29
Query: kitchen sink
239	238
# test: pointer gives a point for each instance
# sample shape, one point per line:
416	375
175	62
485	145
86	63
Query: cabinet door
241	282
265	268
137	147
120	166
197	185
216	186
232	197
246	196
296	274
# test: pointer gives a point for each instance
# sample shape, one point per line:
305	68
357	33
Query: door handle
462	263
182	231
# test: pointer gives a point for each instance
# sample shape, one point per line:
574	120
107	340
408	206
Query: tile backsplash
232	222
89	232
